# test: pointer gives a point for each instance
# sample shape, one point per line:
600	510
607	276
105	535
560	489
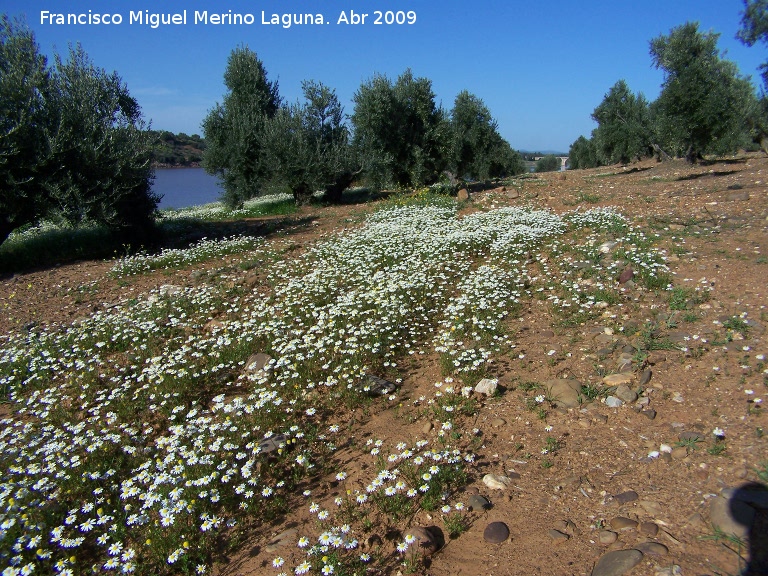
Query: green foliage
307	146
549	163
177	149
73	144
583	154
401	131
234	129
479	152
703	102
624	129
754	28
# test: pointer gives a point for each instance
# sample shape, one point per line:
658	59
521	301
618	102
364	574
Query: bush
549	163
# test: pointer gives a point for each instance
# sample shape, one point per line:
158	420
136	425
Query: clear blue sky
541	67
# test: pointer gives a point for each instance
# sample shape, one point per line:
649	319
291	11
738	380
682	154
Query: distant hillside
180	149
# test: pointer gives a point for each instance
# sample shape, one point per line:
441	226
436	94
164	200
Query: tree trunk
5	230
302	195
661	155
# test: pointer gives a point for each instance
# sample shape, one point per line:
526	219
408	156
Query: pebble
257	362
268	445
558	537
626	394
497	422
645	377
607	537
622	523
679	453
650	413
496	532
613	402
565	391
477	503
652	549
617	562
626	497
731	516
496	481
617	379
673	570
648	529
427	427
375	386
426	540
651	508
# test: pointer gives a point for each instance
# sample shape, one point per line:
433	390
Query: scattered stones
428	540
617	562
558	537
477	503
281	540
607	537
652	549
487	386
617	379
622	523
497	481
375	386
625	393
496	532
648	529
565	391
626	497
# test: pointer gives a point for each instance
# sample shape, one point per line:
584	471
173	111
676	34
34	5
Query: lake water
182	187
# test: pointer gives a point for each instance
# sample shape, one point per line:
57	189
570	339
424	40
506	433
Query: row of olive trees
705	107
73	145
397	136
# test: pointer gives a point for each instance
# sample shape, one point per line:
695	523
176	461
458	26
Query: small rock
427	427
257	362
673	570
626	497
281	540
566	392
462	195
645	377
678	398
738	196
269	445
617	562
558	537
625	393
375	386
622	523
679	453
650	413
496	532
617	379
648	529
477	503
607	537
496	481
427	540
731	516
652	549
626	275
487	386
613	402
498	422
651	508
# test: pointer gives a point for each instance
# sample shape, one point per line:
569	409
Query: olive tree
623	130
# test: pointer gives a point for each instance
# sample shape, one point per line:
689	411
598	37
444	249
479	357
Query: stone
648	529
497	481
673	570
679	453
617	379
652	549
477	503
626	275
558	537
427	427
513	194
738	196
607	537
613	402
755	495
650	413
487	386
565	391
498	422
651	508
645	377
625	393
567	527
731	516
622	523
273	443
462	195
257	362
617	562
428	539
626	497
375	386
496	532
281	540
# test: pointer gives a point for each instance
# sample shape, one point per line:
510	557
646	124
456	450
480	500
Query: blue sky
541	67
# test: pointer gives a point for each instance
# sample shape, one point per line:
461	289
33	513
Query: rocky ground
632	443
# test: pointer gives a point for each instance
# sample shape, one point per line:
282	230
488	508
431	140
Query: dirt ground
603	492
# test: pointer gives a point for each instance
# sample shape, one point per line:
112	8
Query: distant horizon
541	70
